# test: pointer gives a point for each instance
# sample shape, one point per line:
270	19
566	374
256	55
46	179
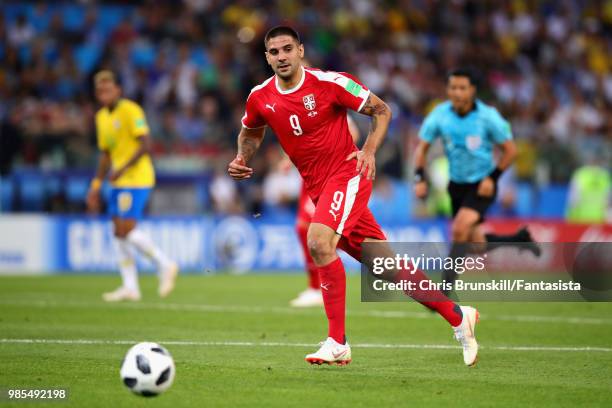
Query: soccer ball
147	369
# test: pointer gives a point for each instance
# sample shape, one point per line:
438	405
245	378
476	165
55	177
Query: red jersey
310	121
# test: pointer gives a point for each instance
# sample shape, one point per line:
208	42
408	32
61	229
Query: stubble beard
287	75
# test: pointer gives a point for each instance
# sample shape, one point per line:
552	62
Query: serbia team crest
309	102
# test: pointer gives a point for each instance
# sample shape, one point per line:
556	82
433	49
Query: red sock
433	299
312	269
333	285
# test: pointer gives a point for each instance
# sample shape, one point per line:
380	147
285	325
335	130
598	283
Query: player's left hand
486	188
366	163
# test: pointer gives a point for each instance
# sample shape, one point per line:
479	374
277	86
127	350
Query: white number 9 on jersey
295	124
337	200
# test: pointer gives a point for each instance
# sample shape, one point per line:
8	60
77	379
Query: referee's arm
508	154
486	188
420	160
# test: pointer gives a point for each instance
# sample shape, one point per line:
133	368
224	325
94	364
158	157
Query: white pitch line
285	344
385	314
550	319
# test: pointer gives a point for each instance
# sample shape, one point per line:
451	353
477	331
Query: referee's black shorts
466	195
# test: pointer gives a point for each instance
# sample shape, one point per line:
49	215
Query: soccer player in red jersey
306	108
312	295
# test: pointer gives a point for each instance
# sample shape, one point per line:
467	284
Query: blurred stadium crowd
546	65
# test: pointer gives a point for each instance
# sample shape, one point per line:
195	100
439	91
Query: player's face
461	93
107	92
284	55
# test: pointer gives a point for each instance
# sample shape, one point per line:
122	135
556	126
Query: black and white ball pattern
147	369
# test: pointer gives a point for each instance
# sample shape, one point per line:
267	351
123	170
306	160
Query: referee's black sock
496	240
520	239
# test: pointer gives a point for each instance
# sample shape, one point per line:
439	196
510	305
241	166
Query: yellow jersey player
124	143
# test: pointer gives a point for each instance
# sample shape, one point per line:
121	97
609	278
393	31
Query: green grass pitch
236	343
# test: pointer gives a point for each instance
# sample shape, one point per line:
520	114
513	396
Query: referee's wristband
495	174
419	175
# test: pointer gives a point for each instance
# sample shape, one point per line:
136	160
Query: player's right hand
238	169
93	201
420	189
486	187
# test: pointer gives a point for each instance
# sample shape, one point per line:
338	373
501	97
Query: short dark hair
465	72
281	30
106	75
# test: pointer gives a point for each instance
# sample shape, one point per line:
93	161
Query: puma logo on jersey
271	107
334	215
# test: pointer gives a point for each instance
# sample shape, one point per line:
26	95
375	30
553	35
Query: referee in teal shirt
470	130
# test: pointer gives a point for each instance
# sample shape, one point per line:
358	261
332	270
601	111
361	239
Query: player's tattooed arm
104	165
381	116
380	113
375	106
144	147
249	141
93	199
